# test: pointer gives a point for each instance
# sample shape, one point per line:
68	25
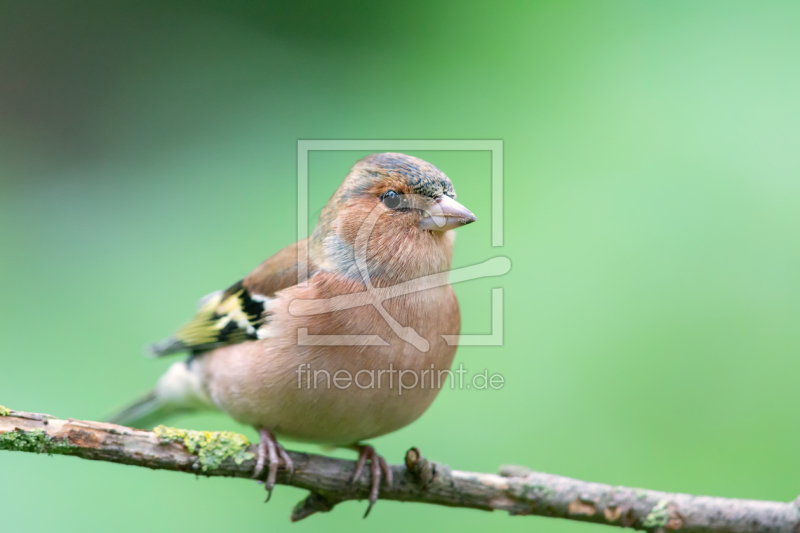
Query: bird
290	350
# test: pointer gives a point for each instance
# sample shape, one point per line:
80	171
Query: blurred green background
652	165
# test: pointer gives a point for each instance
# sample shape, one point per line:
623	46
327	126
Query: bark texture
516	490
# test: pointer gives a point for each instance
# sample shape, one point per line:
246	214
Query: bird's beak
446	214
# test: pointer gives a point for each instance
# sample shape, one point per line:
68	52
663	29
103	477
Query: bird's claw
379	468
270	449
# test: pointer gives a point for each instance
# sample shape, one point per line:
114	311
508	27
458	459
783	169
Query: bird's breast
340	364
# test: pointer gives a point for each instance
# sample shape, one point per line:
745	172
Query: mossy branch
516	490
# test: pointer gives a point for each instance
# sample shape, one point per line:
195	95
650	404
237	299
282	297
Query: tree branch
516	490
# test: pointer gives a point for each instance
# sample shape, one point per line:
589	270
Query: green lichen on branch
211	447
35	441
4	411
658	516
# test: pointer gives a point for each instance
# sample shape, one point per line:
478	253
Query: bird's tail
145	413
180	390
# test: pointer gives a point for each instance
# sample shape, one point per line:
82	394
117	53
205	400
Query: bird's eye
391	199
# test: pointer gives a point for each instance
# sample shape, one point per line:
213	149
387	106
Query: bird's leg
378	467
270	448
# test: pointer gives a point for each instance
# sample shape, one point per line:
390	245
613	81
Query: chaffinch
330	371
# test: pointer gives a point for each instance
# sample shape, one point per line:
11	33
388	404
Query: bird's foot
270	450
379	468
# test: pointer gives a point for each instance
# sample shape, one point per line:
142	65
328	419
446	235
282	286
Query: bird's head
397	212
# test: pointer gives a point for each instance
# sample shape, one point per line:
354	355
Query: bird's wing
235	315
